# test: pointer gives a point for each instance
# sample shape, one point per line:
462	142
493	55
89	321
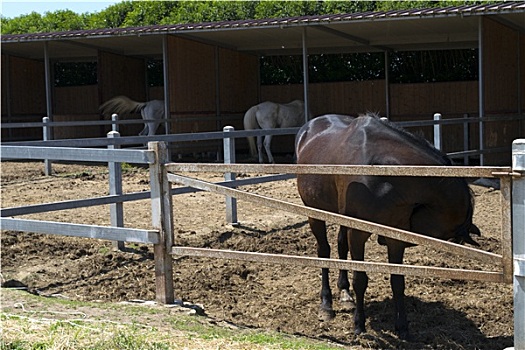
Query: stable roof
400	30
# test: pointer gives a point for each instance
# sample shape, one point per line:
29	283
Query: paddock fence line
512	181
437	122
510	263
504	260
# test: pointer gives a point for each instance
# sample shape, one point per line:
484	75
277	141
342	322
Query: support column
305	78
387	84
481	91
165	71
47	74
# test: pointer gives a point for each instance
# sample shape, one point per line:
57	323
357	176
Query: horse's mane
418	140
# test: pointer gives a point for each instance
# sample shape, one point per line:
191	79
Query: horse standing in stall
152	111
434	206
271	115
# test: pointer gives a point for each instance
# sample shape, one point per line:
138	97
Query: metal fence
437	122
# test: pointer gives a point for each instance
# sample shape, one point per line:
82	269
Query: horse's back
363	140
319	133
271	115
344	140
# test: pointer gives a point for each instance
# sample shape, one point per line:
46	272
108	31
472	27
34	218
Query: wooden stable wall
23	96
504	86
350	98
76	103
238	84
209	85
342	97
408	102
121	75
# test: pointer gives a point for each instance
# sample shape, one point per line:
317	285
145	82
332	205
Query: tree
112	17
31	23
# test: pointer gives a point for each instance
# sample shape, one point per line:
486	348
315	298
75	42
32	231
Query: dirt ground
443	314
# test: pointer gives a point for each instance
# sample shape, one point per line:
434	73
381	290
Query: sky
15	8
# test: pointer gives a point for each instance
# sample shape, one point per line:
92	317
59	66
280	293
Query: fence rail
391	170
76	154
78	230
350	222
422	271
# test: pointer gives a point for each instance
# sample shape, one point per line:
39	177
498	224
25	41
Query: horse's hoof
326	315
346	300
402	331
359	330
404	335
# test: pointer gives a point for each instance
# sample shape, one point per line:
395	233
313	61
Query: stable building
210	73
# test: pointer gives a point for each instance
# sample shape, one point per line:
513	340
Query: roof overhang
430	29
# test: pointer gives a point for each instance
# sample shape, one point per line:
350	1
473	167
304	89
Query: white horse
152	111
271	115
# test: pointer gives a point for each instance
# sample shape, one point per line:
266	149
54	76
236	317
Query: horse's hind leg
342	283
259	149
360	280
267	144
153	128
396	251
145	130
318	227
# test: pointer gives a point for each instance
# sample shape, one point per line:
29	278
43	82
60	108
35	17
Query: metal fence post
116	210
229	158
162	220
466	139
114	124
48	169
518	233
437	132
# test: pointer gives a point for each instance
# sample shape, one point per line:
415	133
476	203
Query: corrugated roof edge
503	7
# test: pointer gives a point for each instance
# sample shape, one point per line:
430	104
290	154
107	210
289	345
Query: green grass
31	322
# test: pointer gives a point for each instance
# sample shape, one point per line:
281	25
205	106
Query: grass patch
31	322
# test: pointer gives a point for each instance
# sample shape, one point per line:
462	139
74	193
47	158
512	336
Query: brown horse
434	206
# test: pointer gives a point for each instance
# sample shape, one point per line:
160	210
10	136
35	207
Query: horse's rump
271	115
152	111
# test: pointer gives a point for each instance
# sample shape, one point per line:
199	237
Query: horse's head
448	213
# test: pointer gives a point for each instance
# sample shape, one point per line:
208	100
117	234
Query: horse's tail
121	104
250	123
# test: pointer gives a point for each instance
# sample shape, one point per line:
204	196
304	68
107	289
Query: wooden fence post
116	210
162	220
518	234
229	158
48	170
